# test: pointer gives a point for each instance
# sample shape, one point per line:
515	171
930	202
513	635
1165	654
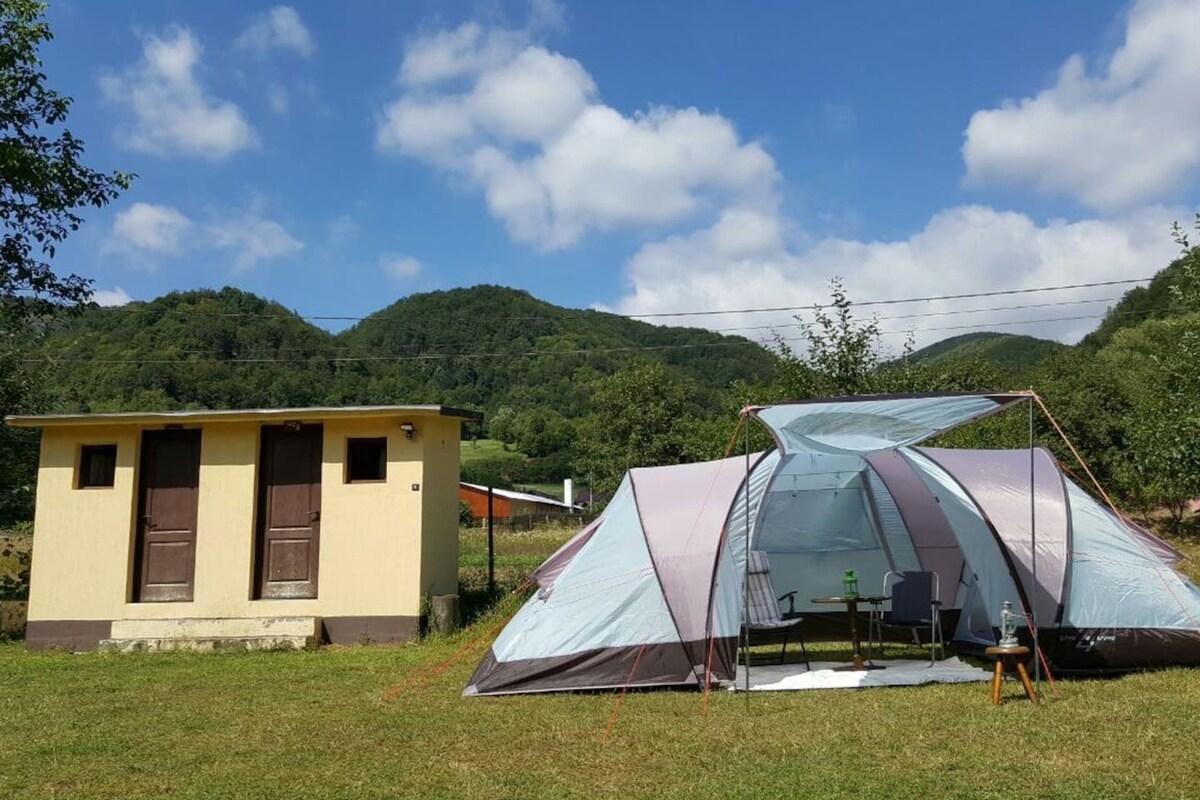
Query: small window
366	460
97	466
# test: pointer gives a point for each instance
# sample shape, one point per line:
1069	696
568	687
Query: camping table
851	604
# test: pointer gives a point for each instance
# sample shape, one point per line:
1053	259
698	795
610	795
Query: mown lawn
485	448
315	725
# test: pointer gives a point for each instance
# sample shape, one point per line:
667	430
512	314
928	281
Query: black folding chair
915	605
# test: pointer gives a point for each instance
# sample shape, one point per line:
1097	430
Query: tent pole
746	575
1037	664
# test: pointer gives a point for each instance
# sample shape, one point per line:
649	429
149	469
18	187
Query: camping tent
650	594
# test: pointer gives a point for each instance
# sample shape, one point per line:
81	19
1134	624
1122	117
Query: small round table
851	604
1014	657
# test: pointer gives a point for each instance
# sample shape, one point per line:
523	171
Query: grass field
484	448
314	725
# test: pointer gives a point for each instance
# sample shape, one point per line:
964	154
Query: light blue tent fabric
844	489
608	596
865	424
1116	582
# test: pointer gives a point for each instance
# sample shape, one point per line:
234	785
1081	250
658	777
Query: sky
643	158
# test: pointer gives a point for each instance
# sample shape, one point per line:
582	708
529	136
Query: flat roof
235	415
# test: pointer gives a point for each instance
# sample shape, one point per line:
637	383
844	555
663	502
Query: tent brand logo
1087	642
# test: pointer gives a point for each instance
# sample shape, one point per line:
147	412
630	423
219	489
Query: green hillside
483	347
1005	350
1152	301
496	329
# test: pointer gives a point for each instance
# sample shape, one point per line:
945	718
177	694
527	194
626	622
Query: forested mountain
1005	350
590	394
483	347
1153	301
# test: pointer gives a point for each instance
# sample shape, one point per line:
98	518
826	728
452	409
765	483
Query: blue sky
645	158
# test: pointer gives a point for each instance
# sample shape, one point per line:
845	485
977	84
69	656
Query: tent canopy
650	594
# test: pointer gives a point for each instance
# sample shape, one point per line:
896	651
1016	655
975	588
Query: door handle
149	523
314	516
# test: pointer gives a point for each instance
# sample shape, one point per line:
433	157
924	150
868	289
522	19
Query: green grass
485	448
314	725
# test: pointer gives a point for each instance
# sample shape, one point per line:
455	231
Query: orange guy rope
424	677
612	720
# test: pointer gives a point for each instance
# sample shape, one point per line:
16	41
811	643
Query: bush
465	518
548	469
496	471
14	570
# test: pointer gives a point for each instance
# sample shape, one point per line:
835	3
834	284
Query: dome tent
650	594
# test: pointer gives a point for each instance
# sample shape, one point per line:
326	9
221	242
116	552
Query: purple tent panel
683	511
998	482
933	540
552	567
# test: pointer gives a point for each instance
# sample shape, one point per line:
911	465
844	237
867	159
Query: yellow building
267	527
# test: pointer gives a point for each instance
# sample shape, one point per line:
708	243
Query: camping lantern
849	584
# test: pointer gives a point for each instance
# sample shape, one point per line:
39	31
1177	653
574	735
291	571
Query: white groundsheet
793	677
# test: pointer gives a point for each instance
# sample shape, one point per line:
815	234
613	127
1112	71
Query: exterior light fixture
409	429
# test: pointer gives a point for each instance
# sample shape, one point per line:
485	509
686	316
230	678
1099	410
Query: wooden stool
1015	655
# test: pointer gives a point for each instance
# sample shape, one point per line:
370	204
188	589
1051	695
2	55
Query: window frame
378	441
83	466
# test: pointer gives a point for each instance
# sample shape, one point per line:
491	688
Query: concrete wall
383	545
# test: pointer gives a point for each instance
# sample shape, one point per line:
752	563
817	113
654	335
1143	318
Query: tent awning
875	422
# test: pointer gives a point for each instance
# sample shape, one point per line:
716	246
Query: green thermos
849	585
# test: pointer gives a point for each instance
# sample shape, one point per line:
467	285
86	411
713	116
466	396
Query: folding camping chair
914	606
762	607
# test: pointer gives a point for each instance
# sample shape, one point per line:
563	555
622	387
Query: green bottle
849	585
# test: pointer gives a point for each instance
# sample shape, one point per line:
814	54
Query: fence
529	522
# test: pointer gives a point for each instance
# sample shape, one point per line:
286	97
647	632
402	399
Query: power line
916	315
441	345
947	313
965	296
434	356
657	315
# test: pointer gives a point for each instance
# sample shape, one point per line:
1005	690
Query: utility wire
439	356
947	313
657	315
917	315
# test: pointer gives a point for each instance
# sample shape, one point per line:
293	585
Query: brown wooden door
289	511
169	496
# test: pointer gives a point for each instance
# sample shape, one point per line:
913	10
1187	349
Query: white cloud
148	233
115	296
400	266
524	125
148	229
252	240
1116	135
744	261
277	29
172	112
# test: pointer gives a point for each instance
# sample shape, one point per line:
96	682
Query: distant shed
507	504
